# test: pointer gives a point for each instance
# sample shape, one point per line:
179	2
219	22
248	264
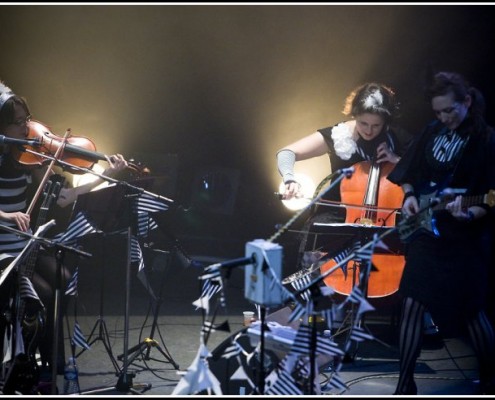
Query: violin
77	150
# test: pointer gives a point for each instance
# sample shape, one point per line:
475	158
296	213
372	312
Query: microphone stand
341	173
344	172
347	172
65	165
313	284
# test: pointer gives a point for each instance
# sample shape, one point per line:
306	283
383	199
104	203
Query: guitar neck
466	201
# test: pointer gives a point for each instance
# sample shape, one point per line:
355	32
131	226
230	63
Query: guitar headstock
490	198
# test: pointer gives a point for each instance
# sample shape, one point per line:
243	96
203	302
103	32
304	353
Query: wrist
470	216
408	194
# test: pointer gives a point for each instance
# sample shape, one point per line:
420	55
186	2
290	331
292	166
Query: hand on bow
21	219
292	190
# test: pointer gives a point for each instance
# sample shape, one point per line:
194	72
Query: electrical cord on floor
326	378
396	375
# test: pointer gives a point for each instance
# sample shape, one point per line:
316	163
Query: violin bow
48	172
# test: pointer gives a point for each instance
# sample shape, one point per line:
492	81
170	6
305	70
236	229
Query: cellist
368	134
14	183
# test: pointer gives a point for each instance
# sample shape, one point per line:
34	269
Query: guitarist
14	183
446	273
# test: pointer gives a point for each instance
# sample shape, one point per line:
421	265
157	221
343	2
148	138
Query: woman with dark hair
368	134
15	179
444	175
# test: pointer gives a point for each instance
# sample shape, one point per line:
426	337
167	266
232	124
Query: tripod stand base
146	345
104	337
124	384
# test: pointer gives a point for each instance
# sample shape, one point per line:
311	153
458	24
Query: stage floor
443	368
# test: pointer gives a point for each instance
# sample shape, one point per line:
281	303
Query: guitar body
422	222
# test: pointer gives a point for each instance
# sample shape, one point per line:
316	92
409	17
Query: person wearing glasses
447	170
15	183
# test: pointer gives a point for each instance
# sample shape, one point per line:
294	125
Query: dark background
209	93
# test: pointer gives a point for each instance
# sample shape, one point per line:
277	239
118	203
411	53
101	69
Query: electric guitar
425	221
31	315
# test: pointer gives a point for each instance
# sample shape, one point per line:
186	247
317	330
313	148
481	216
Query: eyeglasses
448	110
22	121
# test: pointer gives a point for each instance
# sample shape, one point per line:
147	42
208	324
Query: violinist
15	179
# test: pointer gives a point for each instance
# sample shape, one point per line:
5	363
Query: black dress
448	272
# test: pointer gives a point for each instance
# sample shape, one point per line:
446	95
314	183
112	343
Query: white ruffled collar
344	144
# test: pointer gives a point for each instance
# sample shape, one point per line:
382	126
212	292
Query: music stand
363	232
110	211
149	342
102	208
102	333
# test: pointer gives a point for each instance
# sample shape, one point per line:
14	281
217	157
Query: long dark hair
7	112
444	83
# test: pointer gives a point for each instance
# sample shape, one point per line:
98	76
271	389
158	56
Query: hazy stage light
307	189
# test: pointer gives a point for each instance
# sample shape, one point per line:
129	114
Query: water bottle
71	378
329	365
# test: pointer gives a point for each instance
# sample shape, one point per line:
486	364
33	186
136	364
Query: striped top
13	187
447	146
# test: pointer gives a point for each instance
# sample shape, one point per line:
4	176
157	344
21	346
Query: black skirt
449	273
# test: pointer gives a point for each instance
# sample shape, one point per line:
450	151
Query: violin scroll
138	168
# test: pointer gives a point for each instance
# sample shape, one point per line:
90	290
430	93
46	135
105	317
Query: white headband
373	100
7	93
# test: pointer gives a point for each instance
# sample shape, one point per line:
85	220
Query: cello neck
371	195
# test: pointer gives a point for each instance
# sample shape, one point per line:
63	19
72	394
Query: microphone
347	172
237	262
7	140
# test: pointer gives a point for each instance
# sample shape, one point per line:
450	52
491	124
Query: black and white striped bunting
78	338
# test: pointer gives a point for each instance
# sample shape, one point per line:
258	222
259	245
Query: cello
374	195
